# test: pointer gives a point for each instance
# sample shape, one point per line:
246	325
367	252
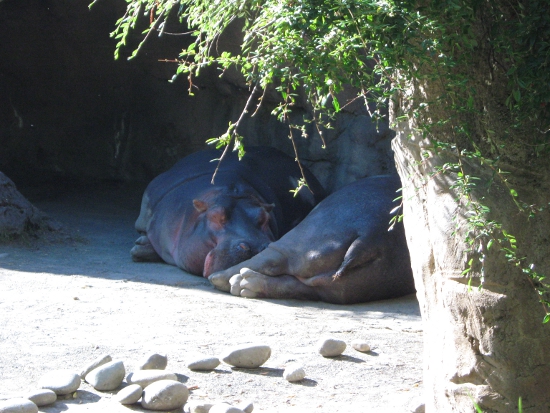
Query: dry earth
62	304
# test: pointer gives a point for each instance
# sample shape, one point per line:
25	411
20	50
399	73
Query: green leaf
335	104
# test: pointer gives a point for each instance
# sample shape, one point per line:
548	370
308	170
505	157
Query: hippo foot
249	284
220	280
144	251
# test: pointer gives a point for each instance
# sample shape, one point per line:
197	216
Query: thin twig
234	131
154	27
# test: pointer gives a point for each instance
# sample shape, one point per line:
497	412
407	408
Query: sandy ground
62	304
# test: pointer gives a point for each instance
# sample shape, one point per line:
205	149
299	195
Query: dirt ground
63	304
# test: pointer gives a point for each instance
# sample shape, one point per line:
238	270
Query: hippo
204	227
343	252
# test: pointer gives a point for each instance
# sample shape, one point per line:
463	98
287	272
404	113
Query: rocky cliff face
67	107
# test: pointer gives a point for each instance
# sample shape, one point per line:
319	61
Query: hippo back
270	172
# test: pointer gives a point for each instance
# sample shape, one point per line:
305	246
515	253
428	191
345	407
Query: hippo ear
268	207
200	206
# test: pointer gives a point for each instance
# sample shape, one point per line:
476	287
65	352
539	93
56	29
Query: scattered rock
104	359
196	406
164	395
204	363
331	347
246	406
107	377
154	362
42	397
224	408
249	356
19	405
360	345
145	377
294	372
130	394
60	381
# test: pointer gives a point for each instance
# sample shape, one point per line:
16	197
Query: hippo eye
242	246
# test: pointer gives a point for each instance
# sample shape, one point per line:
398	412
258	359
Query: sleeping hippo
202	228
342	253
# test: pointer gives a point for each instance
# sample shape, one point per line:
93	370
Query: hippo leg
365	274
256	285
144	251
270	261
359	254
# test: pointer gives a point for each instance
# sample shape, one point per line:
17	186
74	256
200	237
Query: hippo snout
230	253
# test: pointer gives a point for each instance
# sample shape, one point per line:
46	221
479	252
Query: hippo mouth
208	261
226	255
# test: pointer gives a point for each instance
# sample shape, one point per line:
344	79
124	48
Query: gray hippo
202	228
341	253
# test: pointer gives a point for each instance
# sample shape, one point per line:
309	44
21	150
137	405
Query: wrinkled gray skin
202	228
341	253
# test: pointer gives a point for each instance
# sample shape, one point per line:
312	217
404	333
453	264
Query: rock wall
486	346
18	216
67	107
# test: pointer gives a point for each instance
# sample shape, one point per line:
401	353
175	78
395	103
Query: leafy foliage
316	48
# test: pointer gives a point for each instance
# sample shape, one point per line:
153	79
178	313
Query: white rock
164	395
60	381
154	362
42	397
104	359
204	363
129	394
145	377
331	347
294	372
224	408
360	345
197	406
247	406
18	405
107	377
249	356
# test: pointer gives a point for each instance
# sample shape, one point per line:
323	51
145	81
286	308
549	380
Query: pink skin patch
208	261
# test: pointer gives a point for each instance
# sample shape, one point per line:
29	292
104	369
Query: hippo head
235	226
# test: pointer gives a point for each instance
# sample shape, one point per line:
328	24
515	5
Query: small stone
154	362
294	372
247	406
204	363
224	408
104	359
249	356
130	394
196	406
60	381
331	347
164	395
42	397
360	345
107	377
18	405
145	377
